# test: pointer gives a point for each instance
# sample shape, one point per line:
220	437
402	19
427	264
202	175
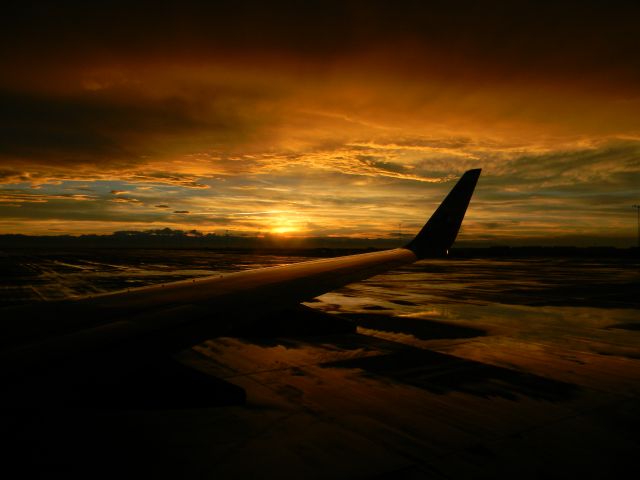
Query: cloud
125	200
83	128
54	174
337	119
18	197
520	38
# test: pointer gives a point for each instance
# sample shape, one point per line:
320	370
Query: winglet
441	230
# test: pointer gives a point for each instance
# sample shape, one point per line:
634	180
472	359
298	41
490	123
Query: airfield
461	368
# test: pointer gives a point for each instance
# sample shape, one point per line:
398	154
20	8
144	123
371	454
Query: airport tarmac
481	368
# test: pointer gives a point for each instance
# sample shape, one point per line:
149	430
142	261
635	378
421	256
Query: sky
321	118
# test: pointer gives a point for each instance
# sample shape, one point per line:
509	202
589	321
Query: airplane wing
107	333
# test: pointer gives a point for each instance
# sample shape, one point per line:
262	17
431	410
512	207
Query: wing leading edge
112	330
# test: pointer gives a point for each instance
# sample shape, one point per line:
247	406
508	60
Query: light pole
637	207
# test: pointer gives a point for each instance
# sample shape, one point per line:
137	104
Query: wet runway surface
443	369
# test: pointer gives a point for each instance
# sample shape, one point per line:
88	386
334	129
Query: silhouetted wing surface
441	230
113	329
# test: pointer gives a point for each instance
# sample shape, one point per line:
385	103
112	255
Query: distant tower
637	207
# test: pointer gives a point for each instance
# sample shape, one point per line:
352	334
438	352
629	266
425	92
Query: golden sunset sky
321	118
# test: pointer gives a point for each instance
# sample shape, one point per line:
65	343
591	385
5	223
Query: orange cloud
351	120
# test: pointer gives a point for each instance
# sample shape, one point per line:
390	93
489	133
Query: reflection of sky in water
559	309
478	367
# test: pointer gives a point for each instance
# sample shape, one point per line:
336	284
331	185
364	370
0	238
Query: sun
283	230
284	226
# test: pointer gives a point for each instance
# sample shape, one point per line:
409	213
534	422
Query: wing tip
473	171
441	230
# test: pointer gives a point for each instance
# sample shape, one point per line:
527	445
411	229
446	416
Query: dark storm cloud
35	127
537	37
94	126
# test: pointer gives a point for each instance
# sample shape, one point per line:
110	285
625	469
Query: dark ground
461	368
